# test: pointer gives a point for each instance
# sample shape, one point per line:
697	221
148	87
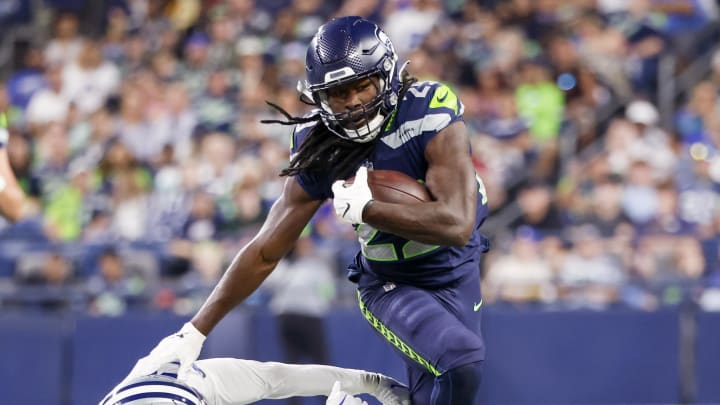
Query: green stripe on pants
394	339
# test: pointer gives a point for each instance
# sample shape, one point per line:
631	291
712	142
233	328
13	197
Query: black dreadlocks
323	151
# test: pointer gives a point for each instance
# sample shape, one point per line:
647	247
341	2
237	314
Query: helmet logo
339	74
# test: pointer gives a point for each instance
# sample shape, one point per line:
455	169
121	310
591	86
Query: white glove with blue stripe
339	397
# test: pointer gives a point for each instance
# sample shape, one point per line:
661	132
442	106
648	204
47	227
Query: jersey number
386	252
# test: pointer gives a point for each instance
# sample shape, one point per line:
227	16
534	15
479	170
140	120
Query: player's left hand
351	199
339	397
183	347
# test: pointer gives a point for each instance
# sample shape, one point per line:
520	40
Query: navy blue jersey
427	108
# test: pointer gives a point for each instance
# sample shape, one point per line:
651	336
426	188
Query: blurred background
595	125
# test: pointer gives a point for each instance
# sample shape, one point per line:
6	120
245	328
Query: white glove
351	199
339	397
390	391
183	346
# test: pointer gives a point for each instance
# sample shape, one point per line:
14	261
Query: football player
417	268
227	381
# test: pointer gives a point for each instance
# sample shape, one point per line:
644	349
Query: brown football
396	187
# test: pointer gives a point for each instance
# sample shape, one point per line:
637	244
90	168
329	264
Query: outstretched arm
286	220
229	381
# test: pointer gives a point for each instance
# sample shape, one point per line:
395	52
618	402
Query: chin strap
370	130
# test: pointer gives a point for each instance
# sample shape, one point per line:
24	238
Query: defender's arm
238	381
450	219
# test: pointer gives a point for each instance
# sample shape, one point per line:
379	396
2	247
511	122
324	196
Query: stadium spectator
114	287
24	82
302	291
589	276
207	262
48	104
89	80
522	275
538	209
66	44
694	120
49	281
216	106
67	211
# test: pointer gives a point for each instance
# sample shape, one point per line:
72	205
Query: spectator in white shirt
49	104
522	275
65	46
89	80
590	276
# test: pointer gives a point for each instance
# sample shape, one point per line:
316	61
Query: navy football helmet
345	50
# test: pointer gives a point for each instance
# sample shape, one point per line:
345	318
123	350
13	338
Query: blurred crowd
135	132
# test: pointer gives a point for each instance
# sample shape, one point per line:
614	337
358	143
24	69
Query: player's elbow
459	233
459	238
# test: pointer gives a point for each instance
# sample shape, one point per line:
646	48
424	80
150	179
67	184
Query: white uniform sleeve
228	381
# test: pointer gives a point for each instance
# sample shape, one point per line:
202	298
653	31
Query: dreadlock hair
323	151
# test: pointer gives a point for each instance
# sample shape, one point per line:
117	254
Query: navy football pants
436	330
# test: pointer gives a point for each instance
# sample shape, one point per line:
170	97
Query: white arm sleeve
228	381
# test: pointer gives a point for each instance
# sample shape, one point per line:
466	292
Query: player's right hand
183	346
339	397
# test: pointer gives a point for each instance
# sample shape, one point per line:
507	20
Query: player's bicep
451	176
287	218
